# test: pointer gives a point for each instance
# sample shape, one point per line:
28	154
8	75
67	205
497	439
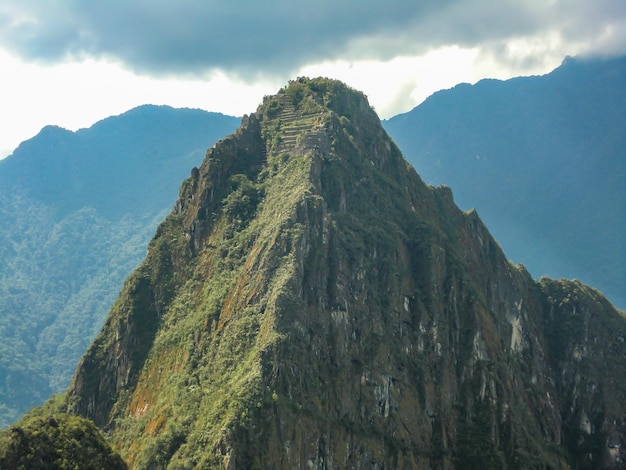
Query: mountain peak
311	302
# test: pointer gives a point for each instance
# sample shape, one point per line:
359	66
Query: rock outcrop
311	303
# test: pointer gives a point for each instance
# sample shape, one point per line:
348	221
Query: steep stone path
295	124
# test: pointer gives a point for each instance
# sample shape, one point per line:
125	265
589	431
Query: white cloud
74	95
400	84
219	57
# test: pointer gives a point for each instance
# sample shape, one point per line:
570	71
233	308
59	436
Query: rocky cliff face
548	152
311	303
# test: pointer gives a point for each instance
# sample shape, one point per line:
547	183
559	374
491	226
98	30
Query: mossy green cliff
311	303
59	442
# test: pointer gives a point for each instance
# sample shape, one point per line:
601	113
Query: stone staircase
293	125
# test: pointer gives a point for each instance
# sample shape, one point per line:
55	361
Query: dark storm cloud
278	36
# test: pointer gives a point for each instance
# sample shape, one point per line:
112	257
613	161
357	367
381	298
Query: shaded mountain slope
77	210
310	302
542	159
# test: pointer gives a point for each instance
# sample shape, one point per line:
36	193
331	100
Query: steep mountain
77	210
542	159
311	303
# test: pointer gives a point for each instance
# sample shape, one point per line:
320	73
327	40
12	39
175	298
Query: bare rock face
311	303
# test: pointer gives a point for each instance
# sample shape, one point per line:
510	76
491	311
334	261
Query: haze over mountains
542	159
77	210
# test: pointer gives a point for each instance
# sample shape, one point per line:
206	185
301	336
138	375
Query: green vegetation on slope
310	302
59	442
77	210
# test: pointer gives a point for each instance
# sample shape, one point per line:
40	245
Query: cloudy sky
73	62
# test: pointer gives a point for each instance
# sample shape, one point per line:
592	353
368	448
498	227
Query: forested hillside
76	212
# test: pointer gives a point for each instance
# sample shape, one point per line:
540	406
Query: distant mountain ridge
543	159
77	210
97	167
